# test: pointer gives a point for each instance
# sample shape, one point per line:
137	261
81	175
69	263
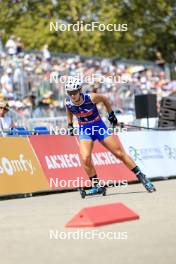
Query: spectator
11	46
6	122
19	45
160	61
7	83
32	75
46	53
20	80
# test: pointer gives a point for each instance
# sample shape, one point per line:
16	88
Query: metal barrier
52	123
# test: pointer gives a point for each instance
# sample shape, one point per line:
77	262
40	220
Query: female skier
84	107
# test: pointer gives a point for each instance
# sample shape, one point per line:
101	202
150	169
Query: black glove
70	129
113	119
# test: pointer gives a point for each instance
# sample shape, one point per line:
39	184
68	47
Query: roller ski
94	191
146	182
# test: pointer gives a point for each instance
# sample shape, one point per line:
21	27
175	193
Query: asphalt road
32	229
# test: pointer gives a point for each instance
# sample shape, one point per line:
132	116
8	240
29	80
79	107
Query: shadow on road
111	194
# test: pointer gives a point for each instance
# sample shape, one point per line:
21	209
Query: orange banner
20	170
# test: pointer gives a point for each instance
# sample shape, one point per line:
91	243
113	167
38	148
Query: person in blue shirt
92	127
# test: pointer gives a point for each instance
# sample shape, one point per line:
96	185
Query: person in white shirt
6	122
46	53
7	83
11	46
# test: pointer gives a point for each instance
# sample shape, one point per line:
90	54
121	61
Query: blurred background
30	53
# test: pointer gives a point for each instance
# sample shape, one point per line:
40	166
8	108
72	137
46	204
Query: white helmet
73	84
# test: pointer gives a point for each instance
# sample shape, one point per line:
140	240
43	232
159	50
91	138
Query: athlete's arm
99	98
69	116
70	129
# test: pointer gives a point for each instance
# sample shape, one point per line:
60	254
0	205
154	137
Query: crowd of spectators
33	82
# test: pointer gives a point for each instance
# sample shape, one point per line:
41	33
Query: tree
151	26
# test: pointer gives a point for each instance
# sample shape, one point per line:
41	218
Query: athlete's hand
70	129
113	119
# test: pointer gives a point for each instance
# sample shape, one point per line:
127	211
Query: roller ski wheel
102	191
147	183
83	193
150	187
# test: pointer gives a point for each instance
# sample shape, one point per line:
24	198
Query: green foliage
151	26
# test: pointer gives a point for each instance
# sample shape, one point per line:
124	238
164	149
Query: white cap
9	70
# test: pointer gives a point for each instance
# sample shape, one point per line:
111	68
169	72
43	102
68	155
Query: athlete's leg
86	147
111	145
117	150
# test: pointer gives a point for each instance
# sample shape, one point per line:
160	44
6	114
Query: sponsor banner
153	151
20	171
108	167
60	159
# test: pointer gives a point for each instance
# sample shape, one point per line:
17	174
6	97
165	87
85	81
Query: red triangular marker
102	215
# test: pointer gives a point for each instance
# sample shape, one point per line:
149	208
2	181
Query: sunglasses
70	93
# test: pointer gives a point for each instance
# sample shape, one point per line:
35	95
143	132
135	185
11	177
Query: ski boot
94	191
97	190
146	182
